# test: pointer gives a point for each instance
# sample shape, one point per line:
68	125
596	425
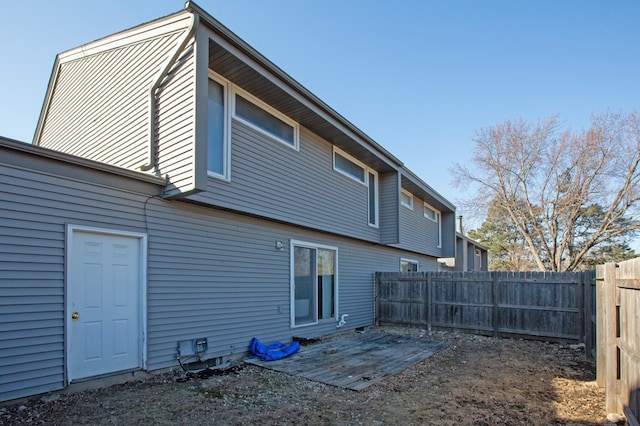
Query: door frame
292	309
142	303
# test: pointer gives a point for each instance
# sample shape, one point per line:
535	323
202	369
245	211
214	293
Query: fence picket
540	305
618	337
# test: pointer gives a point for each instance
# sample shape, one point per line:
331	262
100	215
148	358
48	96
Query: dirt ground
475	381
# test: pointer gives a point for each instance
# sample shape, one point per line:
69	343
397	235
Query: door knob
74	316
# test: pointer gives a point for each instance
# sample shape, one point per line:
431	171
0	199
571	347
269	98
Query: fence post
600	332
429	298
376	298
610	344
587	312
581	306
495	294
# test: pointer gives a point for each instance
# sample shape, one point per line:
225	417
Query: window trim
408	194
366	171
437	219
436	212
376	222
298	243
226	143
237	91
341	153
412	261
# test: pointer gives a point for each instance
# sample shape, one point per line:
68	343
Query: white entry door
103	303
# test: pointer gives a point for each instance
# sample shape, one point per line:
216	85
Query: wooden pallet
357	361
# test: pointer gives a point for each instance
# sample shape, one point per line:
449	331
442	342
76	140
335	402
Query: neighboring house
183	195
470	254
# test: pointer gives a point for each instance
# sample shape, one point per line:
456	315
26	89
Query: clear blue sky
419	77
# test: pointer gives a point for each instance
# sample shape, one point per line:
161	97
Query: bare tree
565	192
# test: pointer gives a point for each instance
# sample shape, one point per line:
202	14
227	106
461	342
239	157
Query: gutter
11	144
152	95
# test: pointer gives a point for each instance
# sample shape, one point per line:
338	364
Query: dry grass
475	381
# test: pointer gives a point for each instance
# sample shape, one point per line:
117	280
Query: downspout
152	94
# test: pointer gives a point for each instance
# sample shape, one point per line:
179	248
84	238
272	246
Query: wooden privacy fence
551	306
618	337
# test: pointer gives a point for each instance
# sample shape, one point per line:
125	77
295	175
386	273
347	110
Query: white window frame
435	212
376	221
237	91
412	261
408	205
297	243
228	94
340	152
365	181
437	218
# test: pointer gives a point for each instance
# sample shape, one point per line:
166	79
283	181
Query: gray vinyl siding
34	208
389	208
448	234
417	233
211	273
272	180
99	106
176	126
218	275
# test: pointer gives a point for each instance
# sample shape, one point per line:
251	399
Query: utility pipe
154	88
342	321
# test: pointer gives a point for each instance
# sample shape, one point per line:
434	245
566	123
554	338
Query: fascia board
234	44
169	24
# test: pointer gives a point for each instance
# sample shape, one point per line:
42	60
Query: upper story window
434	215
345	164
406	199
431	213
247	109
218	141
349	166
265	119
373	198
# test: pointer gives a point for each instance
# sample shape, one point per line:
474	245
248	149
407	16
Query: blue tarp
274	351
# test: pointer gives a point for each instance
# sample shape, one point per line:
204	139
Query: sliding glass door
314	285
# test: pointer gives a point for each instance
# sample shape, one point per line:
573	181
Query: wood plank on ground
355	361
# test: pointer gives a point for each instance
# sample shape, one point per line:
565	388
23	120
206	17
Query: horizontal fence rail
535	305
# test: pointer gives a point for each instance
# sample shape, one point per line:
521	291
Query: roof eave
219	28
